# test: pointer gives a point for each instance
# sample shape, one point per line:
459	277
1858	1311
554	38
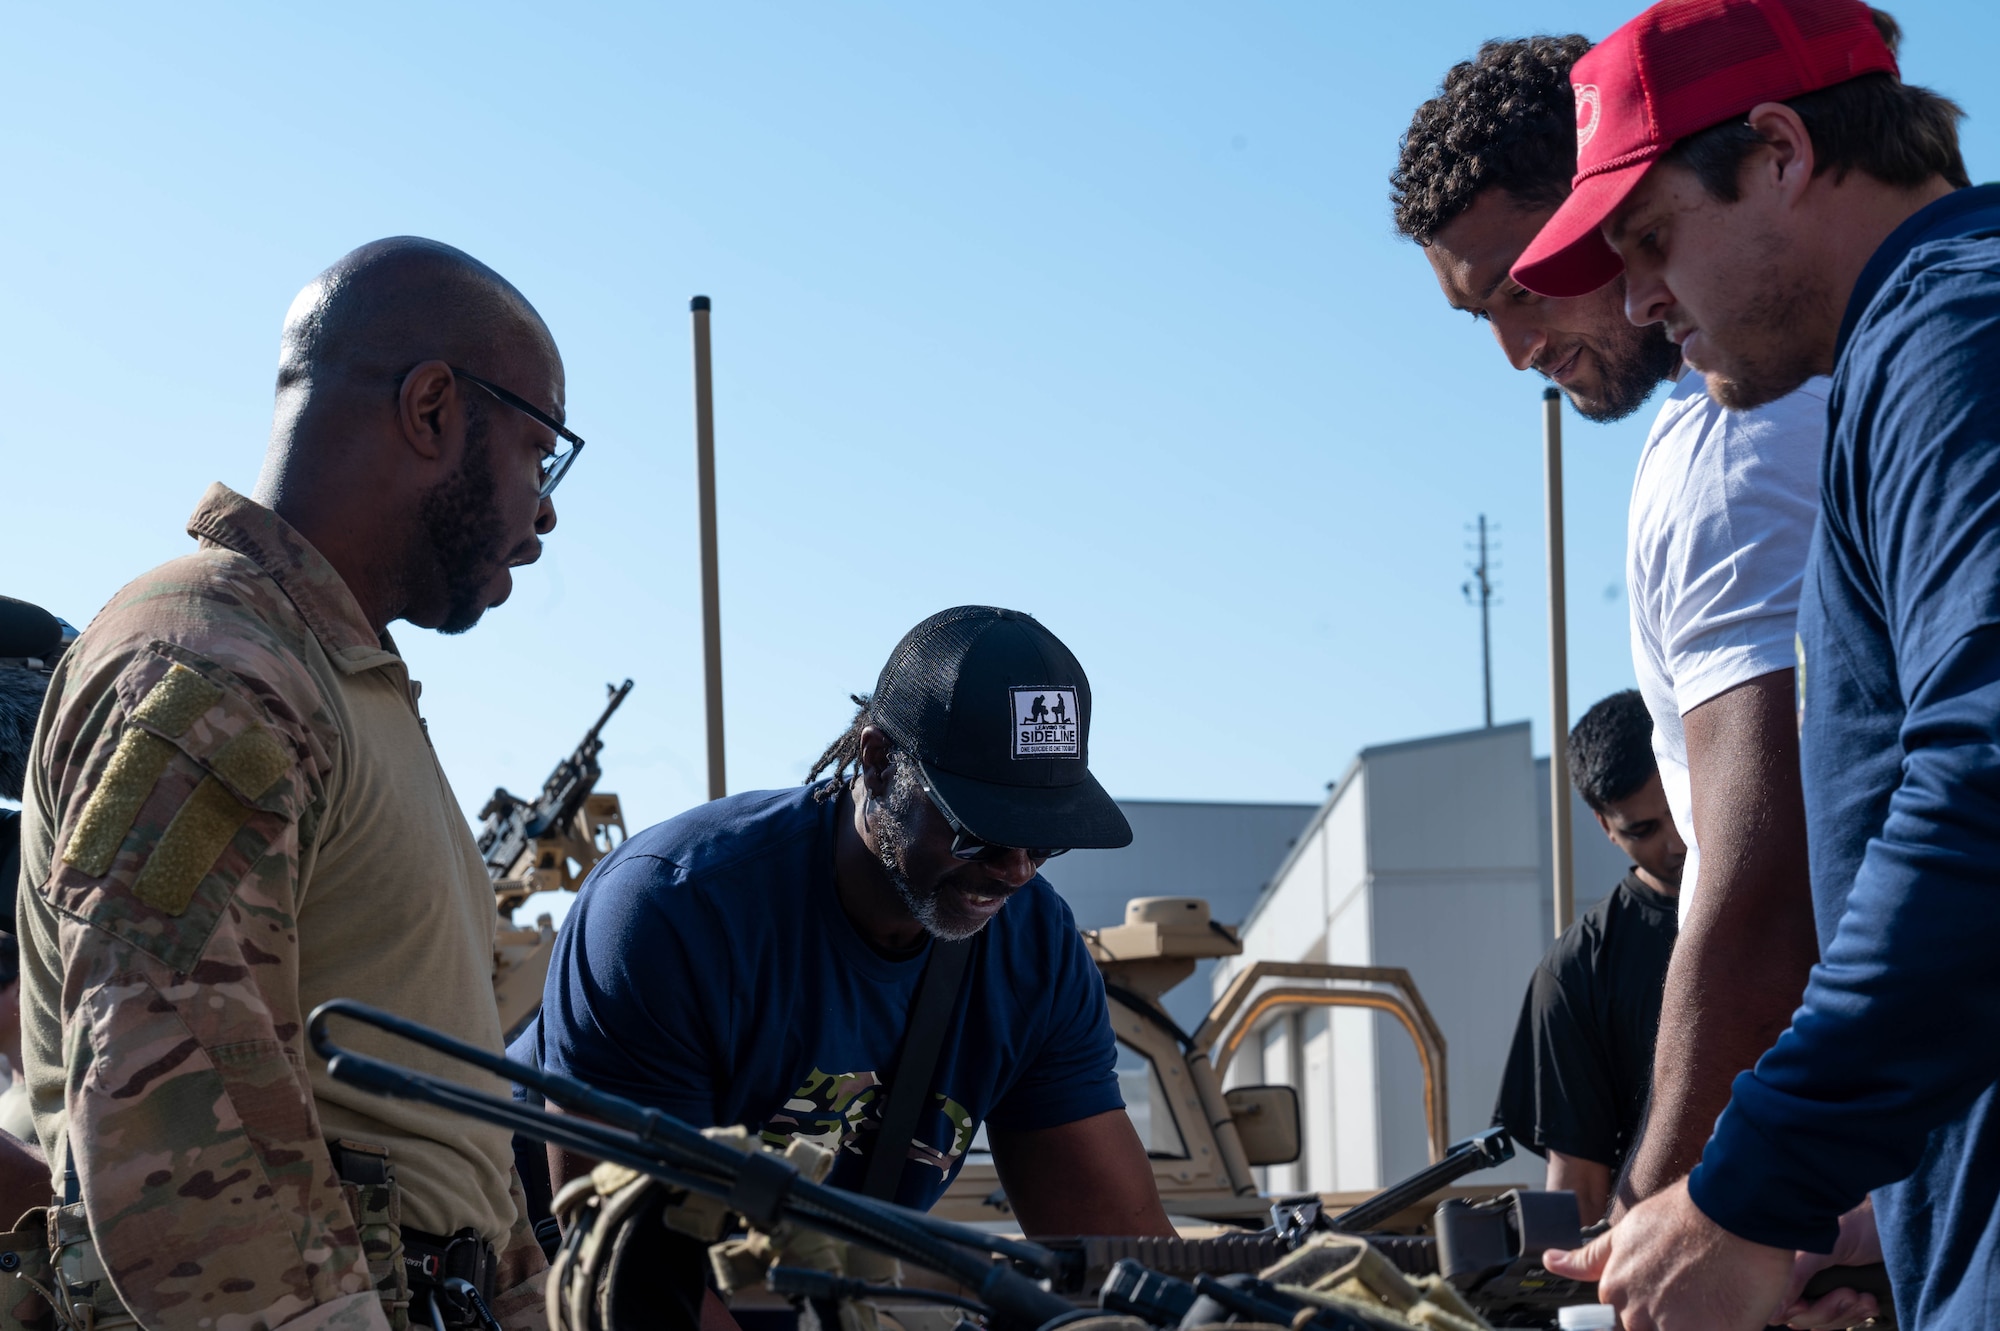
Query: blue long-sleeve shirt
1886	1080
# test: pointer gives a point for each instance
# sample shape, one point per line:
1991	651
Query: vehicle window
1146	1101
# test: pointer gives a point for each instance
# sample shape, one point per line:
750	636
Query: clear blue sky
1090	310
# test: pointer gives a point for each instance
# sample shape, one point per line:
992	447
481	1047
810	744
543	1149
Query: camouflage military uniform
233	814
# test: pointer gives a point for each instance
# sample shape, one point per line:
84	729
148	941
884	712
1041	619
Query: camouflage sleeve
179	801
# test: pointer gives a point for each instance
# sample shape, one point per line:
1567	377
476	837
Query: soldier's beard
1633	365
465	532
891	821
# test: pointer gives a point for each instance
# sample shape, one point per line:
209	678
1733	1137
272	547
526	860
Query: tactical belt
429	1260
415	1270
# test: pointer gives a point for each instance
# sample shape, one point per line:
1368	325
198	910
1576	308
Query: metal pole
1552	474
1482	580
1485	624
711	596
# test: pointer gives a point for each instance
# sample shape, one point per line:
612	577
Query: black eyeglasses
556	465
966	846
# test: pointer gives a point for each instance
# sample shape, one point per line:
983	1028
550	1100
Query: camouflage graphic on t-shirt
827	1111
842	1110
962	1128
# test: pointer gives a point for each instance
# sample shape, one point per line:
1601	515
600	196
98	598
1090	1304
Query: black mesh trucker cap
997	714
28	630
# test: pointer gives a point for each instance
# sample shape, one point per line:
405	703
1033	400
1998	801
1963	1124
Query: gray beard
889	820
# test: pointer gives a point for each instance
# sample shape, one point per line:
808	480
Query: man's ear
1605	823
1788	164
425	406
874	762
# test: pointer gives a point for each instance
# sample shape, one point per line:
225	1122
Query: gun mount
547	844
523	841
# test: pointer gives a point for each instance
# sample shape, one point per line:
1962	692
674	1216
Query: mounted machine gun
548	844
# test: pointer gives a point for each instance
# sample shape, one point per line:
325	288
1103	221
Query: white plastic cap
1588	1317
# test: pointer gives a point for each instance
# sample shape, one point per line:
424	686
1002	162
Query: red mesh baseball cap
1680	67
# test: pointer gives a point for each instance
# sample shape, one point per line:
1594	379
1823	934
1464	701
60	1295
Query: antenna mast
711	590
1552	474
1479	591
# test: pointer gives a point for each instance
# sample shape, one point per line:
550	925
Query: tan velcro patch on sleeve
172	705
133	771
253	762
189	847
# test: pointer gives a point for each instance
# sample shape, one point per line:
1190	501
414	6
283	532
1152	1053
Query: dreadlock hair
1900	134
21	691
842	759
1505	119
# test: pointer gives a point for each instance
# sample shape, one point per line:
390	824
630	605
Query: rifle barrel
662	1146
512	822
617	696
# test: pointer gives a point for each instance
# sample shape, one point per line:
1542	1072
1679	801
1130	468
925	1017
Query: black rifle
1484	1151
760	1187
512	822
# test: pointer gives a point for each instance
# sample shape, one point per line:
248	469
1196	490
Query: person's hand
1832	1311
1668	1267
1859	1244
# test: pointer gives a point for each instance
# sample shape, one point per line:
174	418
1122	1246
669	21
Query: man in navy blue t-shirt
1787	206
757	959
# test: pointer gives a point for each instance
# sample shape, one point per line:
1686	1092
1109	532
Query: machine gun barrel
511	822
761	1187
563	793
1489	1148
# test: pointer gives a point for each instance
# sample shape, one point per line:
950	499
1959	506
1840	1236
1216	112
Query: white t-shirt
1722	514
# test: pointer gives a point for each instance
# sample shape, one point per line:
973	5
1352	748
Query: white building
1432	855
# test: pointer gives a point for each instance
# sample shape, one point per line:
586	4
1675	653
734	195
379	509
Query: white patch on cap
1589	111
1045	723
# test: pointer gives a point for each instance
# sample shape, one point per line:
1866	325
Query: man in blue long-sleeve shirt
1786	206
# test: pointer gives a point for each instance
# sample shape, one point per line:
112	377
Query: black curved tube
665	1148
1480	1151
1146	1011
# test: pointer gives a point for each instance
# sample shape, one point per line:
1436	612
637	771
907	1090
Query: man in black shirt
1582	1062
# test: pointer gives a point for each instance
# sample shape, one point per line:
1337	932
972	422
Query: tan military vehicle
1206	1142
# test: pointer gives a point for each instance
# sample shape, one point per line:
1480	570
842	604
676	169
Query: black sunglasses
556	465
965	846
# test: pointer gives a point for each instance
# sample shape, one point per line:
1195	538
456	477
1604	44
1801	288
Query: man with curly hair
1777	196
1482	164
1722	512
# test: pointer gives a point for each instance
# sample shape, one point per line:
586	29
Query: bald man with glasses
234	813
